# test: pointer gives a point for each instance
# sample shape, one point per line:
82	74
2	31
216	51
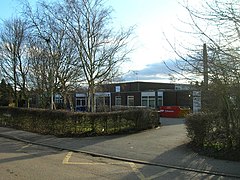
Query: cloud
152	72
164	71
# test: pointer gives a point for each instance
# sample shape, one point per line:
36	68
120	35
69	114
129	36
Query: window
107	101
148	99
130	100
58	99
80	101
100	101
160	99
152	101
145	101
103	101
118	101
117	88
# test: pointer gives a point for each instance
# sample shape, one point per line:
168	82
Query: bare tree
39	72
14	64
217	24
57	52
100	49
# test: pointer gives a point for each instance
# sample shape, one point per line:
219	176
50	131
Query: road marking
66	159
155	176
132	165
68	156
137	172
24	147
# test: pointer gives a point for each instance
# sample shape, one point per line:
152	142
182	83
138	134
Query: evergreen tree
6	93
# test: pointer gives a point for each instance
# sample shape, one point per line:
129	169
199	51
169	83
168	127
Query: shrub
65	123
208	132
197	127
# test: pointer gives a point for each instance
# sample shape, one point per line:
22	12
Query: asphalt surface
164	146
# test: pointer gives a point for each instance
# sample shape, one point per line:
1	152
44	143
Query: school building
146	94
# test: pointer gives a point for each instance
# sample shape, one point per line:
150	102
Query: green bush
65	123
208	132
198	126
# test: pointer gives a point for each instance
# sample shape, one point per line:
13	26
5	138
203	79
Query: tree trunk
65	98
70	102
91	99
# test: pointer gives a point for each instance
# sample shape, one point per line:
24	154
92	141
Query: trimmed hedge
65	123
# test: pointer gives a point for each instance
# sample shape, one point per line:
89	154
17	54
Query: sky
152	19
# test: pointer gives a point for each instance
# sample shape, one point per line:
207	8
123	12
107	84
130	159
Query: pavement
164	146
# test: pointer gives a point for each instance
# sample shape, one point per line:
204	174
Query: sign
197	101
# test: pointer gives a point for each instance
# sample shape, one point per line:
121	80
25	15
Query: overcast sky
151	18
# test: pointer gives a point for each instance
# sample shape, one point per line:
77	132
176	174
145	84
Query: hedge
199	127
65	123
211	131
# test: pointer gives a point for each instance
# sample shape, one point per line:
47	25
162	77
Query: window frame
118	100
129	99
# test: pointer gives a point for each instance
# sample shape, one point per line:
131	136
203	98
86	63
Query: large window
130	100
145	101
152	101
148	99
103	101
80	101
118	101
